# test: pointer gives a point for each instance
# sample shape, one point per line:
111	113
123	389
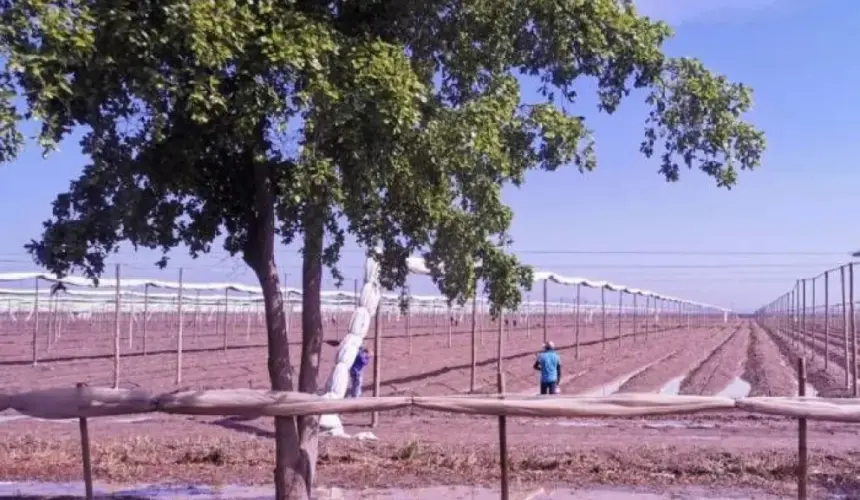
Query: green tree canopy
396	122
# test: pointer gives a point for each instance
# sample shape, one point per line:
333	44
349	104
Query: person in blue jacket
356	372
549	364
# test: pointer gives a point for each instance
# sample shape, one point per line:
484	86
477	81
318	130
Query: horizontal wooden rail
86	402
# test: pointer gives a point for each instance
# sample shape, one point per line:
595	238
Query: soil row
598	365
439	369
829	382
691	354
718	370
766	369
89	339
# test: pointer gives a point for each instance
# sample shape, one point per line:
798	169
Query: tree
262	121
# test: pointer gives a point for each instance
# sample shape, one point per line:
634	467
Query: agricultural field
432	355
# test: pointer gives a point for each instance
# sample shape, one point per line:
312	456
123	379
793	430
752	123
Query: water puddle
202	492
673	386
612	387
581	423
677	424
737	388
112	420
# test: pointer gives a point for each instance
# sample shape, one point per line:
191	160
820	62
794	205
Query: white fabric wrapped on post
339	381
348	350
369	298
371	271
360	322
359	325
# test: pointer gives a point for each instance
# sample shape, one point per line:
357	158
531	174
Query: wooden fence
87	402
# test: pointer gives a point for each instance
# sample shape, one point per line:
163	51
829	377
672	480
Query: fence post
528	311
501	329
85	452
36	325
845	328
377	362
409	315
648	317
578	319
145	315
635	316
116	330
603	318
226	315
814	328
474	341
802	453
450	326
620	306
853	327
179	332
802	333
544	311
503	442
826	319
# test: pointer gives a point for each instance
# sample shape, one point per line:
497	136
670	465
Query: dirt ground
429	449
416	448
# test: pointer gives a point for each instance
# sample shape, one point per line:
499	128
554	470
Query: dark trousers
548	387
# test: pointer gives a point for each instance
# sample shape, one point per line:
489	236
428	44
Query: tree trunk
312	332
293	471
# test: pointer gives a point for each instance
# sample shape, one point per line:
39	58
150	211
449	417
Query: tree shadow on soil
236	424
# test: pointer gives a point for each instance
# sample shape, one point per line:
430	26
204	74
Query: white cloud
678	12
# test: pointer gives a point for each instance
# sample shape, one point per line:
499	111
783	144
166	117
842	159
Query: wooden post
620	305
635	316
544	311
36	325
354	291
845	329
853	328
814	328
603	318
474	342
450	326
802	453
802	333
503	442
85	452
408	315
826	319
116	330
145	315
131	325
249	308
179	332
226	313
578	310
528	311
501	342
52	319
377	362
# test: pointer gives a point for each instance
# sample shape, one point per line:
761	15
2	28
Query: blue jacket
549	364
362	359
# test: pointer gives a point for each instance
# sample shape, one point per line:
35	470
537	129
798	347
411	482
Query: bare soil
691	355
721	367
830	382
417	448
766	368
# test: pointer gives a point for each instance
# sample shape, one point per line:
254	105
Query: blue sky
796	56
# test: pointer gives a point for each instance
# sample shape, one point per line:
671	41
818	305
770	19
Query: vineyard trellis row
141	301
